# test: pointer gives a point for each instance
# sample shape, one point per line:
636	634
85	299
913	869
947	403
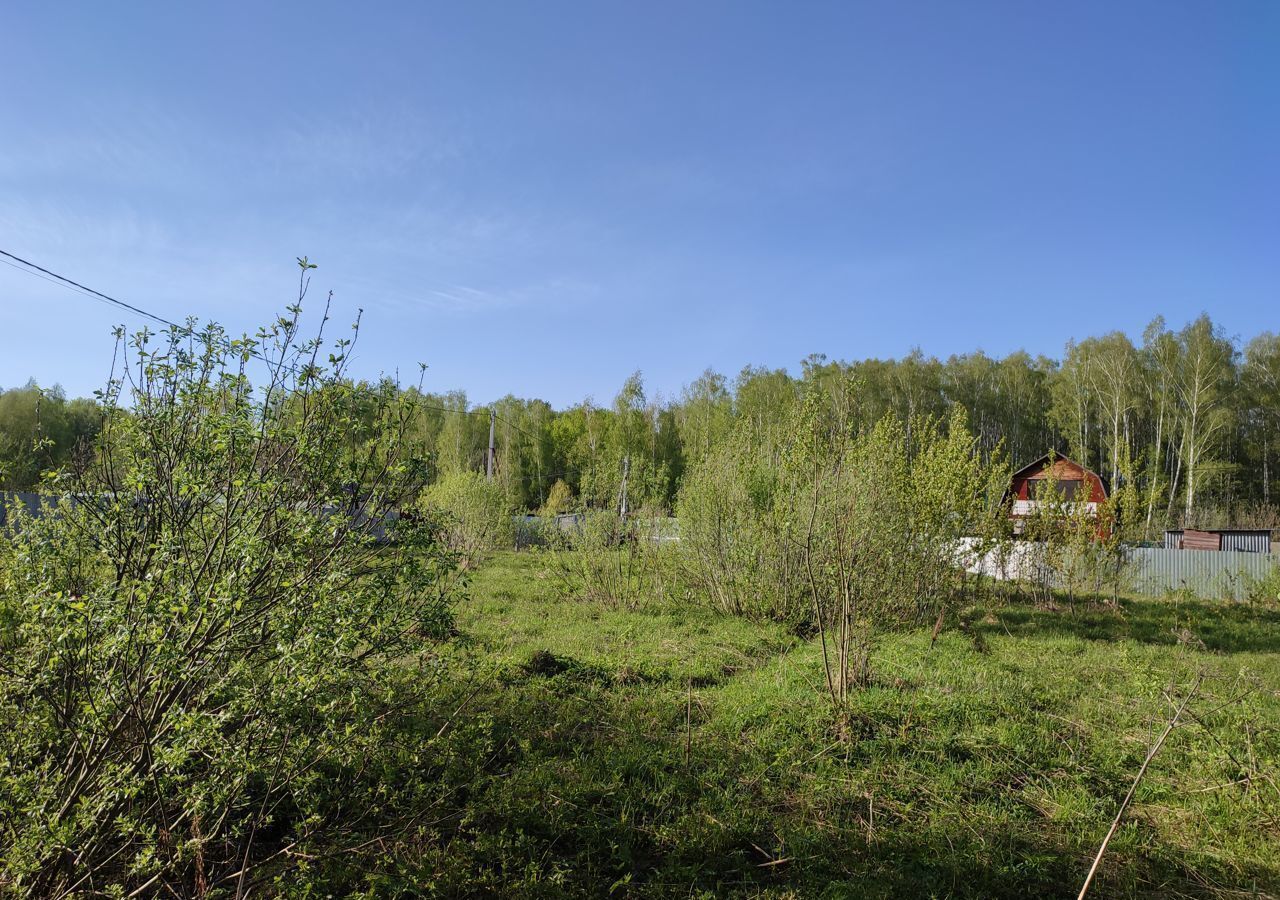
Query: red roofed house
1075	484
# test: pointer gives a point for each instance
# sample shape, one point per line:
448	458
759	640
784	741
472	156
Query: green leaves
847	531
211	625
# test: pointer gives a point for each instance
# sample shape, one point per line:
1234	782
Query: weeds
675	751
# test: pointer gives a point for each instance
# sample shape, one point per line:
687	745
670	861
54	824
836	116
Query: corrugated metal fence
1249	540
1206	573
40	504
34	504
1210	574
532	530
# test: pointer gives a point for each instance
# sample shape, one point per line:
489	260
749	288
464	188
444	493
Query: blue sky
540	198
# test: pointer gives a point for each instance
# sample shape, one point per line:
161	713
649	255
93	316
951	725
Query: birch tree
1261	381
1072	400
1111	372
1159	360
1203	385
705	413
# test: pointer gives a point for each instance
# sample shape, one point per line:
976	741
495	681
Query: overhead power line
62	279
37	271
44	274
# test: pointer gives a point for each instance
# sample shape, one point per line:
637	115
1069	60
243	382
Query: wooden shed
1075	484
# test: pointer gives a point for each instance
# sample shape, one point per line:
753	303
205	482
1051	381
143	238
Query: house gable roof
1040	461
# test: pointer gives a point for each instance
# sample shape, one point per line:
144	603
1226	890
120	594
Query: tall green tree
40	431
704	413
1204	382
1260	378
1112	373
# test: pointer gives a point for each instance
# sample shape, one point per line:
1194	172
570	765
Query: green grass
670	751
517	608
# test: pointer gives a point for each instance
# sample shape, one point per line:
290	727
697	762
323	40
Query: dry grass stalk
1124	805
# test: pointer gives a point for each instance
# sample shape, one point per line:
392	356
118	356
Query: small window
1069	489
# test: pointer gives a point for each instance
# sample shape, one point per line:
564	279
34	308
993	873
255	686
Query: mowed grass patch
987	765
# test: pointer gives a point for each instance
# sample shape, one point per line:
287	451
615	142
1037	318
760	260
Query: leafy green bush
736	522
559	499
847	533
1267	589
194	677
477	517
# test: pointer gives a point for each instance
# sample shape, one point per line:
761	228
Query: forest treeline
1190	416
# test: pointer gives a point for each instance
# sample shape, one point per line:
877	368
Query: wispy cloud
461	301
388	143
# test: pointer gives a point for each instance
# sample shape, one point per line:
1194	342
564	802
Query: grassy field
671	751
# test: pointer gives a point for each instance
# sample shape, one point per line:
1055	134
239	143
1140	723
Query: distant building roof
1039	462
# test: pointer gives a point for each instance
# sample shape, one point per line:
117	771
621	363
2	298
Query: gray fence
34	504
1154	571
362	519
533	530
1206	573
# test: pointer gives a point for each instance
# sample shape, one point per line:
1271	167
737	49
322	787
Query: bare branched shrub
610	560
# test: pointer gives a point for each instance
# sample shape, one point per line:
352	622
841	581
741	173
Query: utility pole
488	469
622	495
